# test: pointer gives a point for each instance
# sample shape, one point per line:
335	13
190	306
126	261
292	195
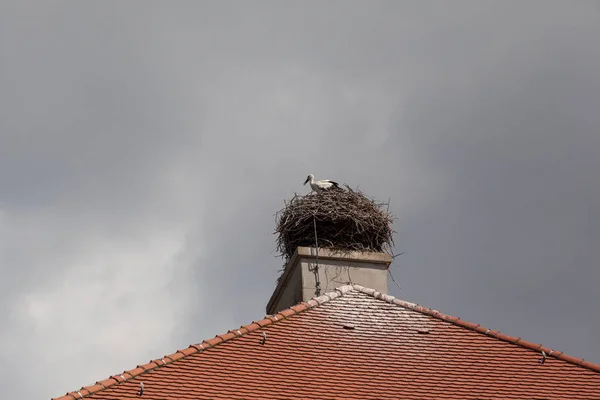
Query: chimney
307	274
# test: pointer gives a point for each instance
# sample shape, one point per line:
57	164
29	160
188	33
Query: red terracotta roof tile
357	343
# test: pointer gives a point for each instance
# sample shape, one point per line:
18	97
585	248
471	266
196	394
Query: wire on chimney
392	276
317	281
390	270
393	256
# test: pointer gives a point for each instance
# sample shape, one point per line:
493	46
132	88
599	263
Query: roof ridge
297	309
204	345
479	329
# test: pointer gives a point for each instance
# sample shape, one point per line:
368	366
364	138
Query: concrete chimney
307	274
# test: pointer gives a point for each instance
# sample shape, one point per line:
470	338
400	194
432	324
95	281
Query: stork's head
308	178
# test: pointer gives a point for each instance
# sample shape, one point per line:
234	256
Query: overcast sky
145	146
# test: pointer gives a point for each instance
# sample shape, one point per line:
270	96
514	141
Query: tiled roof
357	343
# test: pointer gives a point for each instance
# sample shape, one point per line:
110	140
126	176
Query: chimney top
309	274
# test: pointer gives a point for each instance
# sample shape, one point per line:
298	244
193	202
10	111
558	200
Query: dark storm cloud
145	148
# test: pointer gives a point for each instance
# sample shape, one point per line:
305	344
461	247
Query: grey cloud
145	148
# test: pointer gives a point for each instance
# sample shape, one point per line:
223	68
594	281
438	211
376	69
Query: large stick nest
345	220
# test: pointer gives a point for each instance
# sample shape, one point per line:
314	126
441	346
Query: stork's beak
306	181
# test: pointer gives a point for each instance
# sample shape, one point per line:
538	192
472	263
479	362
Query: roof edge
203	346
480	329
304	306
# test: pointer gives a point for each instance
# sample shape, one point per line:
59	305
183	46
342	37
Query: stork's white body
322	185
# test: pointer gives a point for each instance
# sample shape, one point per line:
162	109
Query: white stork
322	185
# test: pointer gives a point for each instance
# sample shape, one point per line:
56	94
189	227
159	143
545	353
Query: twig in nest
346	220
